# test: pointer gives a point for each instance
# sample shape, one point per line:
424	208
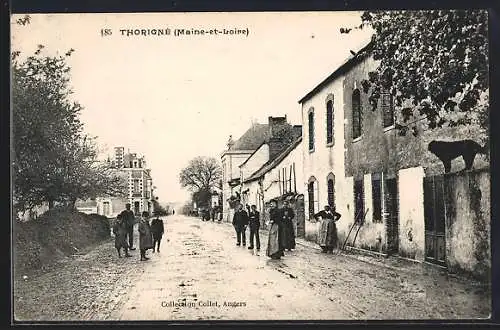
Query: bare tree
202	173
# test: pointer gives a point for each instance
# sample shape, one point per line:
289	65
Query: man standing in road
240	222
129	218
254	217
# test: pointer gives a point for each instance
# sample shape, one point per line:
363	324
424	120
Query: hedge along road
201	274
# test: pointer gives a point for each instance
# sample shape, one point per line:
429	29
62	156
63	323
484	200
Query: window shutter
311	130
356	114
329	122
387	108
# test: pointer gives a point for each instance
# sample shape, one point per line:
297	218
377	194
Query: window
136	186
377	197
311	129
286	181
329	121
356	114
331	189
387	105
312	192
359	201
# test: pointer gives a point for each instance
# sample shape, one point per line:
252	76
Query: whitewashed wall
411	212
254	162
271	178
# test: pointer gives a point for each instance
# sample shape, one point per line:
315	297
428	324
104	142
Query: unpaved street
201	274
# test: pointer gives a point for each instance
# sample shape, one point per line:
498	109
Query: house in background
139	187
389	183
249	144
279	178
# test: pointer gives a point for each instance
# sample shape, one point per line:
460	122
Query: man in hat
254	222
129	219
240	222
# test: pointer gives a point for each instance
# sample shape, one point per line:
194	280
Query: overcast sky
174	98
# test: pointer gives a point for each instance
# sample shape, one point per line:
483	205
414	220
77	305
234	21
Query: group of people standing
150	235
281	233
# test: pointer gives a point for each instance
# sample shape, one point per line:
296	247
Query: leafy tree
54	160
433	63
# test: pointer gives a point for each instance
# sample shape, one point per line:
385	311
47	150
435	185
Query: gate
391	215
434	218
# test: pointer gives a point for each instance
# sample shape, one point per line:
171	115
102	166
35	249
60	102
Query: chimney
276	124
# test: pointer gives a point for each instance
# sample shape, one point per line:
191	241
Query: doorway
391	215
434	218
105	208
137	208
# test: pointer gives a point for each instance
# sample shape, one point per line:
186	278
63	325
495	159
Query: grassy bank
54	235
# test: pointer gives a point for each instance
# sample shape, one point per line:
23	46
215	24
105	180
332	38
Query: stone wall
468	223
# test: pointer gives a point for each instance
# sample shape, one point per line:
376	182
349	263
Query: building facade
389	188
247	154
140	182
140	190
278	179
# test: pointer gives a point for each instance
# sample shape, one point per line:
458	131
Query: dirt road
201	274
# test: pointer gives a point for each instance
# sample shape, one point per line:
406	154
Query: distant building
258	146
140	182
139	189
280	178
237	152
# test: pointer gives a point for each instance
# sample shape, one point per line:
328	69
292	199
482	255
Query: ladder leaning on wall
357	222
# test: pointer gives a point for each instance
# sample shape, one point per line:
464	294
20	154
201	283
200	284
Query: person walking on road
327	235
157	229
129	218
145	236
288	227
254	224
120	232
240	222
275	238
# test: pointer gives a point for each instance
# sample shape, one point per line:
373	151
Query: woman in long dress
275	239
327	236
287	216
145	236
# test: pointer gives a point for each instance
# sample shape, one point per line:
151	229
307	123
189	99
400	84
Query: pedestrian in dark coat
157	230
130	221
275	238
240	222
287	215
145	236
254	224
327	235
120	232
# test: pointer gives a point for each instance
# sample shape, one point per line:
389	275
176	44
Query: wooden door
391	215
434	218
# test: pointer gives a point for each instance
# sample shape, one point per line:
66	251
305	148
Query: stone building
389	183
